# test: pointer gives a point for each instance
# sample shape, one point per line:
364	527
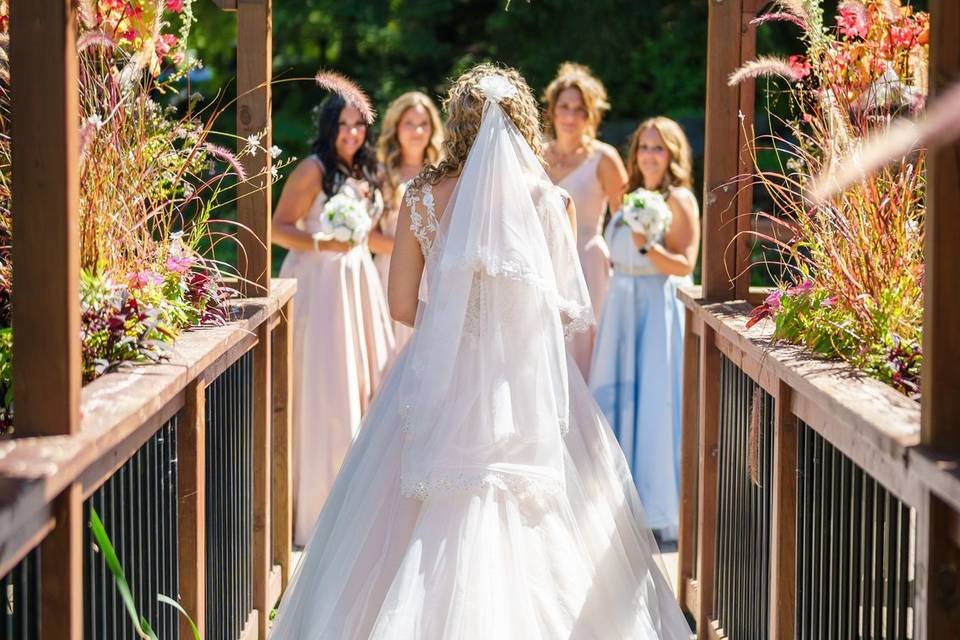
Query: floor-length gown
636	375
501	562
388	225
342	340
583	184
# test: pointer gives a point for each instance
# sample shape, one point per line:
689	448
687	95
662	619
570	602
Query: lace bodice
423	219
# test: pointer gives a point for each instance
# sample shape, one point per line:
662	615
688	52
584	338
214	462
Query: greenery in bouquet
853	263
152	179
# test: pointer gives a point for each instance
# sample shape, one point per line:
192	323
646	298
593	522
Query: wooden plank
691	597
251	627
707	498
254	73
45	204
192	500
783	535
16	547
715	631
938	470
721	152
937	614
262	458
686	544
283	442
274	587
61	570
941	310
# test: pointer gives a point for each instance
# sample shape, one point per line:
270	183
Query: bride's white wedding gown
471	505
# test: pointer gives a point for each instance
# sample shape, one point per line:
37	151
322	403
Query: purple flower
773	300
180	264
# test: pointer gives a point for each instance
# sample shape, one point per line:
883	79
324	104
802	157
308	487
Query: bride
485	496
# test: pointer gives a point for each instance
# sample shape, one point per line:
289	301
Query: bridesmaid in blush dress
590	171
342	337
410	139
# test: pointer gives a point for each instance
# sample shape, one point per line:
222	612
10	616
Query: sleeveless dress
636	375
499	561
591	202
388	225
342	340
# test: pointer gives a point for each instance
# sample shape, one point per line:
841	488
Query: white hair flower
496	87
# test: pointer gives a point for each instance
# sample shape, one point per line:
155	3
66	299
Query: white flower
274	172
96	120
496	87
342	234
646	212
275	151
253	143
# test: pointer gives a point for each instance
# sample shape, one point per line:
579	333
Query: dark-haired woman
342	331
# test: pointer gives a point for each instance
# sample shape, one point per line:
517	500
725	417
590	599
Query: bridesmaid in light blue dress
636	371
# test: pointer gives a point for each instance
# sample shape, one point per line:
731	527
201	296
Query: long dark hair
335	173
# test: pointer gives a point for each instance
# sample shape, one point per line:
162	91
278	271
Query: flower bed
853	288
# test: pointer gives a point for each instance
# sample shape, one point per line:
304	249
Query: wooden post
282	494
254	62
61	569
747	95
45	204
707	499
783	535
686	560
941	311
721	150
192	497
262	440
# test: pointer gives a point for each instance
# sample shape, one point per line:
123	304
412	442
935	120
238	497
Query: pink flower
180	264
773	300
805	287
143	278
129	35
829	302
175	5
852	23
800	65
165	44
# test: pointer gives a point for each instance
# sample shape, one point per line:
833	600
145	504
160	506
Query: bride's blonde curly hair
464	107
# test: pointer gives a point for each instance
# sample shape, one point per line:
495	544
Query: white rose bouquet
646	212
344	219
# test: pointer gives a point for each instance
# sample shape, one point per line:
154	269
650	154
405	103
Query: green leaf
176	605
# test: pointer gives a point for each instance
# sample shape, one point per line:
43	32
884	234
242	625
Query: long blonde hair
680	171
571	75
388	145
464	108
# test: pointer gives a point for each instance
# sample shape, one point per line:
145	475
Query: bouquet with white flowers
344	219
646	212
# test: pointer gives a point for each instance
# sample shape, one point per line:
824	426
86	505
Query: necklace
569	159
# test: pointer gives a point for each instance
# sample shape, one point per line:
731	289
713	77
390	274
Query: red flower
800	65
852	23
175	5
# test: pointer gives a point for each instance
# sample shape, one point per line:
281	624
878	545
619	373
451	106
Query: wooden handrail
120	412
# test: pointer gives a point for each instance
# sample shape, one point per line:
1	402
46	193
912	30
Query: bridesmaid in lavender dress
410	139
342	337
591	171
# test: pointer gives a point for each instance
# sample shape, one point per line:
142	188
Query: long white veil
485	392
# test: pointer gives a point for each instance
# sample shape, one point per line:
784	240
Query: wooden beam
747	91
686	544
937	600
721	150
192	499
941	310
282	494
783	556
45	203
707	498
61	570
262	459
226	5
254	63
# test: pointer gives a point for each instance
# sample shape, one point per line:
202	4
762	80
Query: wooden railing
809	510
187	463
